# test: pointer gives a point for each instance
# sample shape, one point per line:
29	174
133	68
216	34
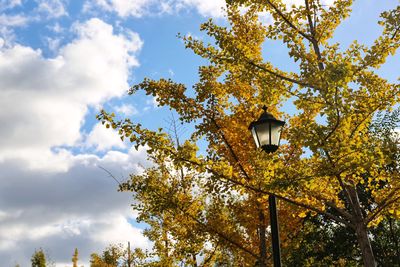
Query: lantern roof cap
265	117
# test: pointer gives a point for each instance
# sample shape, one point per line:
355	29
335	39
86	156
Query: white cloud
133	8
7	4
327	2
103	139
206	8
7	25
12	17
126	109
123	8
117	229
62	210
56	28
139	8
52	8
151	103
13	20
46	99
53	43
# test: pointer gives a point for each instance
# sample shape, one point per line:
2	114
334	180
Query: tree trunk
395	241
129	254
365	245
361	229
194	260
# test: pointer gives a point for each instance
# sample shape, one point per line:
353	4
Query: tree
38	259
322	240
116	256
96	261
329	147
109	258
75	258
184	218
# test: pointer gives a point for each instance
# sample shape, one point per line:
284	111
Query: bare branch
110	174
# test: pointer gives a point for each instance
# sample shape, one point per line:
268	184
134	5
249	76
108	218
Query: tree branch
257	190
337	123
230	149
310	22
384	203
280	76
223	236
208	228
342	185
312	39
288	21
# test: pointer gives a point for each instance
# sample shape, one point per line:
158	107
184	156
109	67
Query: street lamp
266	132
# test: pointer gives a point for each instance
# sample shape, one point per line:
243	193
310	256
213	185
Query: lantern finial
265	108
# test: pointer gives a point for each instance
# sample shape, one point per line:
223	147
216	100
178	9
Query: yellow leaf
302	215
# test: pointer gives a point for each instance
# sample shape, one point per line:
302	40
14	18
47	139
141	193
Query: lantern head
266	131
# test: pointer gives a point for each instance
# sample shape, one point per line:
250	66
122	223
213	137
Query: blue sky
60	62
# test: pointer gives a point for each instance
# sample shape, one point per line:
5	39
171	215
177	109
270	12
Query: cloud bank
53	95
51	196
140	8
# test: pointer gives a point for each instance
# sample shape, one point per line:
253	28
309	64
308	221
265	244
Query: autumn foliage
211	207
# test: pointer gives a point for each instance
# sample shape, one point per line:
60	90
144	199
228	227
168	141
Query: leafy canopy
215	203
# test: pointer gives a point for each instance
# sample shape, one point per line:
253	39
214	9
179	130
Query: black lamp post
266	132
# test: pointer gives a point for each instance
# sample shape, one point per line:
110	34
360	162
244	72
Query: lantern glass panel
263	133
275	134
254	134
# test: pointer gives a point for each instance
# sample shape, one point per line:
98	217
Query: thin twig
110	174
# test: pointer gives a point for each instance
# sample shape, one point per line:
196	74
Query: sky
62	61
